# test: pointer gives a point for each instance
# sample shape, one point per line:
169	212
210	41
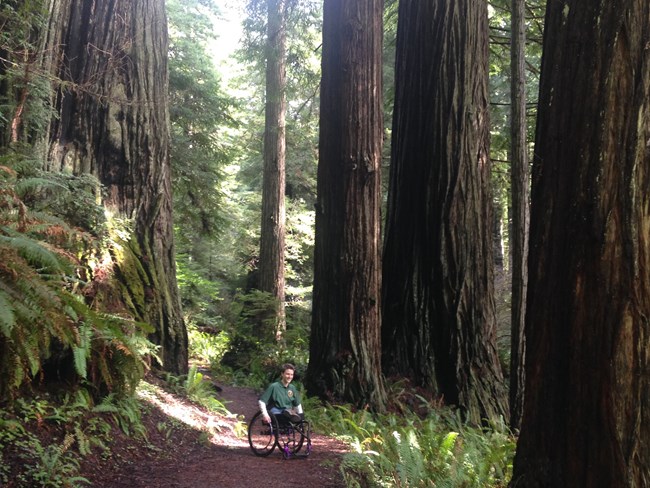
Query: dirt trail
217	458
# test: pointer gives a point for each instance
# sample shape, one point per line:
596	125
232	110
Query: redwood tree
439	310
519	191
112	121
585	419
344	358
272	240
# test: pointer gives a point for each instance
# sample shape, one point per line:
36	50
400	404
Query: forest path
201	450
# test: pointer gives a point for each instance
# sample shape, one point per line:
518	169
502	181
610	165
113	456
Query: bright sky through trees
228	29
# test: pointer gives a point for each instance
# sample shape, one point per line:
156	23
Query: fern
447	445
408	451
83	442
411	462
35	254
7	314
358	472
41	294
25	185
81	352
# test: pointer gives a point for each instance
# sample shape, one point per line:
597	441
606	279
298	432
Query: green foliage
46	437
54	465
24	88
200	123
217	170
61	198
209	264
194	386
202	392
406	450
207	348
125	412
46	325
254	359
299	255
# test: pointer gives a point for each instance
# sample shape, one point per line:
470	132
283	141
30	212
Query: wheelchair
288	436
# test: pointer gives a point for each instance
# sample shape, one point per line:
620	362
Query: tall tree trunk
345	338
585	419
438	291
272	242
519	191
113	122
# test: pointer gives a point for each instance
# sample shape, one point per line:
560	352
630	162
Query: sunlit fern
42	305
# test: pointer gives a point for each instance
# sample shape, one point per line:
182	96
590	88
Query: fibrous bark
272	240
438	293
345	338
585	419
519	192
113	122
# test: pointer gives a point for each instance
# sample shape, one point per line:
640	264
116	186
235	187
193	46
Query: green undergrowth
43	439
55	273
62	328
409	450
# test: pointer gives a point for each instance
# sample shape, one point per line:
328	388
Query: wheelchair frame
289	437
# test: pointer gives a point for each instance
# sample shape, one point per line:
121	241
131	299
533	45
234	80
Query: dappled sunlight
222	430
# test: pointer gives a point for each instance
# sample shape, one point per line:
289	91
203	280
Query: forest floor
190	447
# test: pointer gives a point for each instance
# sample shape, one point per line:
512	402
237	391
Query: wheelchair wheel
262	437
290	438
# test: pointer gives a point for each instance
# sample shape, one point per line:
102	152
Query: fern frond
7	172
29	350
411	462
81	352
25	185
101	363
447	445
107	405
82	440
7	314
35	253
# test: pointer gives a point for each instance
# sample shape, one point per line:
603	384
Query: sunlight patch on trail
222	430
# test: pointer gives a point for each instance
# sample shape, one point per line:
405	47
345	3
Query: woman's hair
290	366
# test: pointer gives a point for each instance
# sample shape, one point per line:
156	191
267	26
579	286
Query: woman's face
287	376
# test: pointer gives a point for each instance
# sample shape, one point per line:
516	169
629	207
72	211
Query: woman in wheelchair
280	420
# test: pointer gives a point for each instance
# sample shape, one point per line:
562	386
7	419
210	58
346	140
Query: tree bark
519	192
272	241
345	338
585	417
438	292
113	122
